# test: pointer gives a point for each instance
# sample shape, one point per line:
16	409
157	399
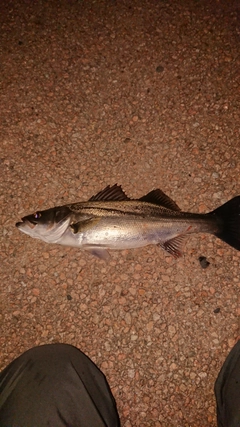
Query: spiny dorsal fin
158	197
114	193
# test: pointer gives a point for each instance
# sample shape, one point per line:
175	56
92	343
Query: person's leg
55	385
227	390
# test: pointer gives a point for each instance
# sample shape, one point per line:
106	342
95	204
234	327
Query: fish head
48	225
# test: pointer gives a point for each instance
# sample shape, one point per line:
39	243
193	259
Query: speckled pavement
144	94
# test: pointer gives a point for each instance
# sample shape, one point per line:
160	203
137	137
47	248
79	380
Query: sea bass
111	220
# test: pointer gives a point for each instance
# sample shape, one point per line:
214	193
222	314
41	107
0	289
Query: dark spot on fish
160	69
217	310
20	43
69	297
203	262
75	228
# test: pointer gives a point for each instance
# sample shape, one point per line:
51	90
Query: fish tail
228	220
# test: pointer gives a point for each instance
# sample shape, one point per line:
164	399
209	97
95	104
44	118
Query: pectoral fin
174	246
79	227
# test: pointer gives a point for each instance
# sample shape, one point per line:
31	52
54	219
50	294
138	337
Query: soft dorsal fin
158	197
114	193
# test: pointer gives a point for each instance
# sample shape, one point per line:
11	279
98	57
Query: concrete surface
145	94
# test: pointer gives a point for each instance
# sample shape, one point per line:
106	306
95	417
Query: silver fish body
134	225
110	220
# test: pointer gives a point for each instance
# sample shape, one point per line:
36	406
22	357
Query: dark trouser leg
227	390
55	385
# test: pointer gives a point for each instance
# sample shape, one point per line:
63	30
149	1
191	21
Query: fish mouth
24	222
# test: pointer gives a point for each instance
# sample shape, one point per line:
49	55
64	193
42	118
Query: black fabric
227	390
55	385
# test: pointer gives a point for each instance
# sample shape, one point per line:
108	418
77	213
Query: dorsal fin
158	197
114	193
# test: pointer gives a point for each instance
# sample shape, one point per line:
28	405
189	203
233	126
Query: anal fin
174	246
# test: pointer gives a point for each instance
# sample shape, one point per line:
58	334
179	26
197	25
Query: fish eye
37	215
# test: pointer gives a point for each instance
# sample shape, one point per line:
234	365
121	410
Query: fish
111	220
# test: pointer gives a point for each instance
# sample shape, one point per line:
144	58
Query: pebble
204	262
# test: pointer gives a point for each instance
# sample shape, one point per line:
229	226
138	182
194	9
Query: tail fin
228	219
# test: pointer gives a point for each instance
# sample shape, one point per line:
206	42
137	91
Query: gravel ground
145	94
